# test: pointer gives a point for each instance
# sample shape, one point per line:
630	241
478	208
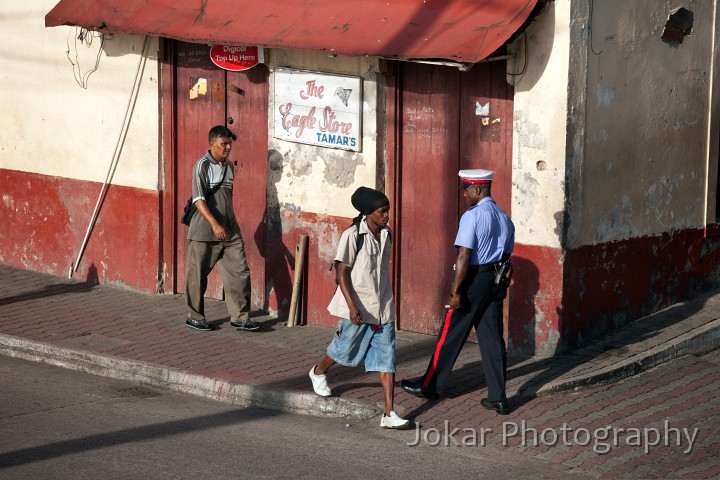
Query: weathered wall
615	165
45	219
58	134
313	175
642	163
309	187
609	285
645	130
539	74
73	131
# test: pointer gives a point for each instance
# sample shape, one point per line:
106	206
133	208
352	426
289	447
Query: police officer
485	240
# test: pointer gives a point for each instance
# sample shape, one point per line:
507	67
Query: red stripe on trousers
431	372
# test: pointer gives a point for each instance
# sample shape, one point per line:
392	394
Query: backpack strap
359	241
214	189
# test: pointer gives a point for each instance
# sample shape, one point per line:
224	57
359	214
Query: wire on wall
83	38
521	73
592	4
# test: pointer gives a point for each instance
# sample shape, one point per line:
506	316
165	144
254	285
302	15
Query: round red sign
236	58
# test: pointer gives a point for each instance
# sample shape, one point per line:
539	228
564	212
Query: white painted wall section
539	73
51	125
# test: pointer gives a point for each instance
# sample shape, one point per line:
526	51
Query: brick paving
606	429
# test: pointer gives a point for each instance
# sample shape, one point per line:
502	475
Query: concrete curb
696	342
178	381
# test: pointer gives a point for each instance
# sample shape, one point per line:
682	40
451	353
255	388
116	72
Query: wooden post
299	262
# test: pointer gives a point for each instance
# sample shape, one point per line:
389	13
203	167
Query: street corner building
599	119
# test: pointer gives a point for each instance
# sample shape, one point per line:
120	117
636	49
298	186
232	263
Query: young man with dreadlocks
364	302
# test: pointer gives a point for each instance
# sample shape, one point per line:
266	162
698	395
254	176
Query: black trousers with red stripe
482	308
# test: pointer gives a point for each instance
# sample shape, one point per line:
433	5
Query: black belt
486	266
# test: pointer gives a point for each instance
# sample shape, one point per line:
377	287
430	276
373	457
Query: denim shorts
352	344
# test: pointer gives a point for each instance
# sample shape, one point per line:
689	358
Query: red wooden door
199	104
427	192
247	108
486	122
450	120
205	95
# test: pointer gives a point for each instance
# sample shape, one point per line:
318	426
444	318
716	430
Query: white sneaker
394	422
319	383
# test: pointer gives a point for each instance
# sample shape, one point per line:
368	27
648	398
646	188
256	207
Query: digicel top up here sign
236	58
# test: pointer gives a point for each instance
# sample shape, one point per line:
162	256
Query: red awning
464	31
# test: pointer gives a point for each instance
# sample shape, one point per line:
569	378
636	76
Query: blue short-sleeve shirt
487	230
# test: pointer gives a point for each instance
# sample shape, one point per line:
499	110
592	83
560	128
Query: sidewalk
123	334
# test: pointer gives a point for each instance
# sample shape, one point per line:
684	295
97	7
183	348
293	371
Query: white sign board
318	109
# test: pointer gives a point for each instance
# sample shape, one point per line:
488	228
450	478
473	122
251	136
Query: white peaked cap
475	176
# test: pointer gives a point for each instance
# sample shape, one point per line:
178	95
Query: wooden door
449	120
203	96
247	109
199	104
427	191
486	123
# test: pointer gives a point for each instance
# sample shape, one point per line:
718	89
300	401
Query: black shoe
415	388
501	408
248	325
198	324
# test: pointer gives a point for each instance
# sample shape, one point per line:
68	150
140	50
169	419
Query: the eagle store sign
318	109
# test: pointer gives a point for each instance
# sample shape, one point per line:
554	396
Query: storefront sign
236	58
318	109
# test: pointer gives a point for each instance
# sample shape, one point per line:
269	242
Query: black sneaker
248	325
198	324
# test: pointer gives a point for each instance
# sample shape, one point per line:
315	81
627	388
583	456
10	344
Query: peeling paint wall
50	214
641	160
539	74
317	179
615	163
605	101
309	187
641	155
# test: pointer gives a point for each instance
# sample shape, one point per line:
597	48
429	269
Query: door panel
450	120
206	95
247	109
200	104
428	212
486	118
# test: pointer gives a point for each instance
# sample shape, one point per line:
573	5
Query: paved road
59	424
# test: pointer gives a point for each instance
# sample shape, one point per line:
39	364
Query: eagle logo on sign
343	94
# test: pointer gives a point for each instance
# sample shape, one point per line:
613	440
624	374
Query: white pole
116	154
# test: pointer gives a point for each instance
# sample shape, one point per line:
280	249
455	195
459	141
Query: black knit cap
366	200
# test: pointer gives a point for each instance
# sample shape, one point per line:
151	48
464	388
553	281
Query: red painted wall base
45	220
558	299
609	285
318	283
